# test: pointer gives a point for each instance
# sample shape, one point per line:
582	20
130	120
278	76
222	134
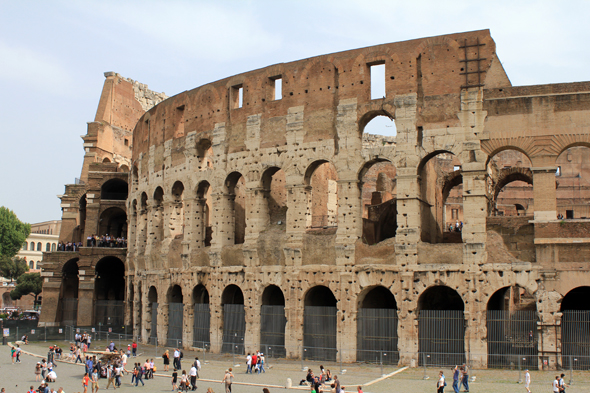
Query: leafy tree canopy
27	284
13	233
13	268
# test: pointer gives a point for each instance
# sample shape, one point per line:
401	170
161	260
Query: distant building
44	237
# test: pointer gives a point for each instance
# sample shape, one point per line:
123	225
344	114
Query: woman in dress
38	372
166	357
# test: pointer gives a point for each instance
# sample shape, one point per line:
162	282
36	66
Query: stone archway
575	329
109	292
234	320
320	324
273	321
202	318
377	326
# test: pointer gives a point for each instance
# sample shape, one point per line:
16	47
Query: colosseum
258	213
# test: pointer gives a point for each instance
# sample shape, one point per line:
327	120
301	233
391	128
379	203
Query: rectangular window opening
278	88
558	171
377	72
237	96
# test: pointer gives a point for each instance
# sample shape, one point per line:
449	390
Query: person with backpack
440	384
138	377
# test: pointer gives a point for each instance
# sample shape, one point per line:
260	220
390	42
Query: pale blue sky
53	55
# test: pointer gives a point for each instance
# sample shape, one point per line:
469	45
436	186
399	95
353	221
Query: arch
135	174
39	246
53	246
500	149
31	265
203	228
275	207
176	217
7	300
272	320
47	247
575	328
508	175
152	315
69	292
113	222
378	200
235	203
441	196
201	317
175	298
321	178
572	145
109	292
372	114
205	154
319	324
573	181
124	169
106	160
512	327
158	196
441	326
32	246
377	326
114	189
234	319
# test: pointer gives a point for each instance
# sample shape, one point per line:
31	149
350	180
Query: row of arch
511	323
49	246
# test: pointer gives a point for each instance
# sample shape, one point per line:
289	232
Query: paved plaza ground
19	377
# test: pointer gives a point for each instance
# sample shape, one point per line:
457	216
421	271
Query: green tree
13	233
13	268
28	284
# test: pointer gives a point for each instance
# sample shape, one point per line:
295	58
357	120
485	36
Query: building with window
44	237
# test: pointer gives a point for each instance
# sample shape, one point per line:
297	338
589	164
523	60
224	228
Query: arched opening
106	160
512	183
512	328
573	183
53	246
158	217
7	300
113	222
379	131
135	175
441	327
275	195
109	292
69	292
31	265
441	196
39	246
319	324
205	154
575	329
377	326
25	246
273	321
235	225
142	229
204	230
78	233
114	190
176	221
47	247
123	169
175	316
322	195
152	315
202	318
32	246
234	320
379	197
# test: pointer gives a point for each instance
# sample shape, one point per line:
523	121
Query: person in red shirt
134	348
254	360
85	380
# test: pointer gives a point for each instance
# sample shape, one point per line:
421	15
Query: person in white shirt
562	384
527	381
193	374
249	364
440	385
556	384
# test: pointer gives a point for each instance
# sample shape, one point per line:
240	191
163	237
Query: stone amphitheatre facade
261	215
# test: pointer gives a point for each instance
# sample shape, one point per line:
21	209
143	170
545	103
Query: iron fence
154	328
272	327
234	328
319	333
175	324
69	311
377	335
575	339
512	337
202	318
109	312
441	337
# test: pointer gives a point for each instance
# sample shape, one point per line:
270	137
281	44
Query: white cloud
35	70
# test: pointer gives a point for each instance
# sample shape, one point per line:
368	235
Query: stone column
544	193
407	328
297	212
409	223
86	298
346	323
162	321
475	208
137	313
252	316
350	222
131	238
224	219
190	221
188	319
257	215
294	326
199	226
215	321
475	315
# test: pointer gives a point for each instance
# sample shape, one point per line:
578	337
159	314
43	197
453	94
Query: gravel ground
19	377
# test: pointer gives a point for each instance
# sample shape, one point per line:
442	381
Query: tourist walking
465	379
174	380
228	378
94	380
193	374
248	363
85	380
527	381
166	357
456	373
440	384
110	377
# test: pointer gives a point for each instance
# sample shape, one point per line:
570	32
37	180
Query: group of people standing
255	362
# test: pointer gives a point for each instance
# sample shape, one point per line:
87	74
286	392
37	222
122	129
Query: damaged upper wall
432	68
109	137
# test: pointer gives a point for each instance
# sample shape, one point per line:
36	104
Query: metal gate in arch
319	333
175	324
202	318
441	337
154	330
234	328
272	329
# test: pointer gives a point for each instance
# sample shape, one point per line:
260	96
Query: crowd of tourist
94	241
